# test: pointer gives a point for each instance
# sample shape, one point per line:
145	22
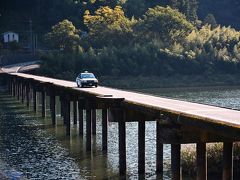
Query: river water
30	148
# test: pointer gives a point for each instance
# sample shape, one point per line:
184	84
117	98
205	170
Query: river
30	148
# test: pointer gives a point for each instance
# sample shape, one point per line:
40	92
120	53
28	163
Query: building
10	37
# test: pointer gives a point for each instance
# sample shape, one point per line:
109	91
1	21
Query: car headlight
84	81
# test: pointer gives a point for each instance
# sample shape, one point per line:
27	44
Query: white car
86	79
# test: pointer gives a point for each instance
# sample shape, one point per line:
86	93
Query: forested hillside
131	37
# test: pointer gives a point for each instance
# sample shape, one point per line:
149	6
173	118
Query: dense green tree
187	7
64	36
210	20
166	24
108	26
221	43
135	8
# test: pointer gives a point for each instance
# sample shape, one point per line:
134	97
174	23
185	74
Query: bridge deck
202	114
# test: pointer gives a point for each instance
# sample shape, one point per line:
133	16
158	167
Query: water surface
31	148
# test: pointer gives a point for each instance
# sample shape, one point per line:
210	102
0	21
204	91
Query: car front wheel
79	84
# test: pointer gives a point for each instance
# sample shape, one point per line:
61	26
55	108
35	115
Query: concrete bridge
177	122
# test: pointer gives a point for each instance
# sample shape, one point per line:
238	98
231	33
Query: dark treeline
14	14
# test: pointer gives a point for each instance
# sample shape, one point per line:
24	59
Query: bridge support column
175	161
9	87
80	117
43	104
141	147
18	91
75	112
63	109
159	163
34	100
201	161
93	121
28	94
22	92
122	147
61	106
104	129
14	89
53	107
67	119
227	161
88	129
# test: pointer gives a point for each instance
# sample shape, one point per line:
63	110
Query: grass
214	159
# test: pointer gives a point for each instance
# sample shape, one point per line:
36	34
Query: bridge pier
159	158
93	111
14	91
53	106
28	94
75	112
141	147
227	161
9	87
61	106
34	96
80	117
175	161
22	92
104	129
201	161
122	147
43	96
66	117
18	91
88	129
63	110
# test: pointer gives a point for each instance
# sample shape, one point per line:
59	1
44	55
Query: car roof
86	73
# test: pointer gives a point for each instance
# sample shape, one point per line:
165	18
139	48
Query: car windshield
87	75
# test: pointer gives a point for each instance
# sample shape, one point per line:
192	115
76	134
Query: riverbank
144	82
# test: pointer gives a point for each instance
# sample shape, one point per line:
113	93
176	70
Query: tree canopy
63	36
108	26
166	23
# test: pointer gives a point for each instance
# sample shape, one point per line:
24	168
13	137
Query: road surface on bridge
200	112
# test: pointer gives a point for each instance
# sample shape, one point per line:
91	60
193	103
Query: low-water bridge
177	122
